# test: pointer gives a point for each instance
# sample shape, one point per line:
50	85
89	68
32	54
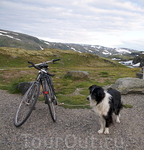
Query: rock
139	75
76	92
77	75
139	59
129	85
23	86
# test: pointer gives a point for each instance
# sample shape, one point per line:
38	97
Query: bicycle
29	99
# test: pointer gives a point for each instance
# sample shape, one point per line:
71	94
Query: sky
110	23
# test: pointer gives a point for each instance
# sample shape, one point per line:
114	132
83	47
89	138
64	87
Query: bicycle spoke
27	104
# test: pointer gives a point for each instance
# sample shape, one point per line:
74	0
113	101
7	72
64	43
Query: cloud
76	21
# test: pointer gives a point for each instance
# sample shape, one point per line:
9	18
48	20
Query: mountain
139	59
19	40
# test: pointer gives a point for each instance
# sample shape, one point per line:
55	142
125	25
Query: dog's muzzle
88	98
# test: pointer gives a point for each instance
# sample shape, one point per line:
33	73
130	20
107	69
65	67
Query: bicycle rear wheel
27	104
50	97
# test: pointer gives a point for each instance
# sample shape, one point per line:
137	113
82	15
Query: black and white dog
105	103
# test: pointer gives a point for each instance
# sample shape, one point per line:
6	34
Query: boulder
139	75
77	75
129	85
139	59
23	86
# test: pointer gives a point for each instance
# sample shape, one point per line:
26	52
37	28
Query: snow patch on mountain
3	33
47	43
106	52
120	50
9	36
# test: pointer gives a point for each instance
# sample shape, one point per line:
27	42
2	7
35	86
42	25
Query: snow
115	59
73	49
41	48
95	46
47	43
136	65
122	50
3	32
17	39
106	52
10	37
127	62
90	50
98	47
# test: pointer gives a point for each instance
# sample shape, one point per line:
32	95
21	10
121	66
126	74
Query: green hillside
14	69
15	57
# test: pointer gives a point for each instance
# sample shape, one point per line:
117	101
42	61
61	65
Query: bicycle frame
40	78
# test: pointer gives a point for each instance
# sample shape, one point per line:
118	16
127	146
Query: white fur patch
102	110
106	131
103	107
117	118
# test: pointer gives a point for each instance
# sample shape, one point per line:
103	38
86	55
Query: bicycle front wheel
50	97
27	104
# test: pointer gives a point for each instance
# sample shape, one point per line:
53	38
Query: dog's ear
92	87
99	91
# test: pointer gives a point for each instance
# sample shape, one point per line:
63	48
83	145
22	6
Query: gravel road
75	129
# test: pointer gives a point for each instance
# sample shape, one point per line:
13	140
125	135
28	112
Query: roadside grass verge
65	88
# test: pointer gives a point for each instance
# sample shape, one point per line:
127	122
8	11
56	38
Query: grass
64	88
128	106
102	73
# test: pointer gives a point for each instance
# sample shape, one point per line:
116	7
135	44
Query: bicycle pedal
55	102
34	108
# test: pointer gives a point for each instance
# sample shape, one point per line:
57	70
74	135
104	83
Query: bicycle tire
27	104
49	95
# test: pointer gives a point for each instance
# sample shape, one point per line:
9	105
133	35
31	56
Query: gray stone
129	85
23	86
77	75
139	75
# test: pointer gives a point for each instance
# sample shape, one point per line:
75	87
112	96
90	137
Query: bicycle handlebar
33	65
36	65
53	60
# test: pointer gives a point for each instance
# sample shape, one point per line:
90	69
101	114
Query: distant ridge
19	40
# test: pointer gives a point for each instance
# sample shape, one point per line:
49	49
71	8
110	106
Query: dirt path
75	129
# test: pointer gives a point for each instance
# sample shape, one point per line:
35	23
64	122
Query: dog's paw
118	118
106	131
100	131
117	121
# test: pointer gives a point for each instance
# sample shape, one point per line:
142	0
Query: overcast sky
111	23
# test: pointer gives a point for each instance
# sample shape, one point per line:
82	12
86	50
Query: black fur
115	102
97	93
